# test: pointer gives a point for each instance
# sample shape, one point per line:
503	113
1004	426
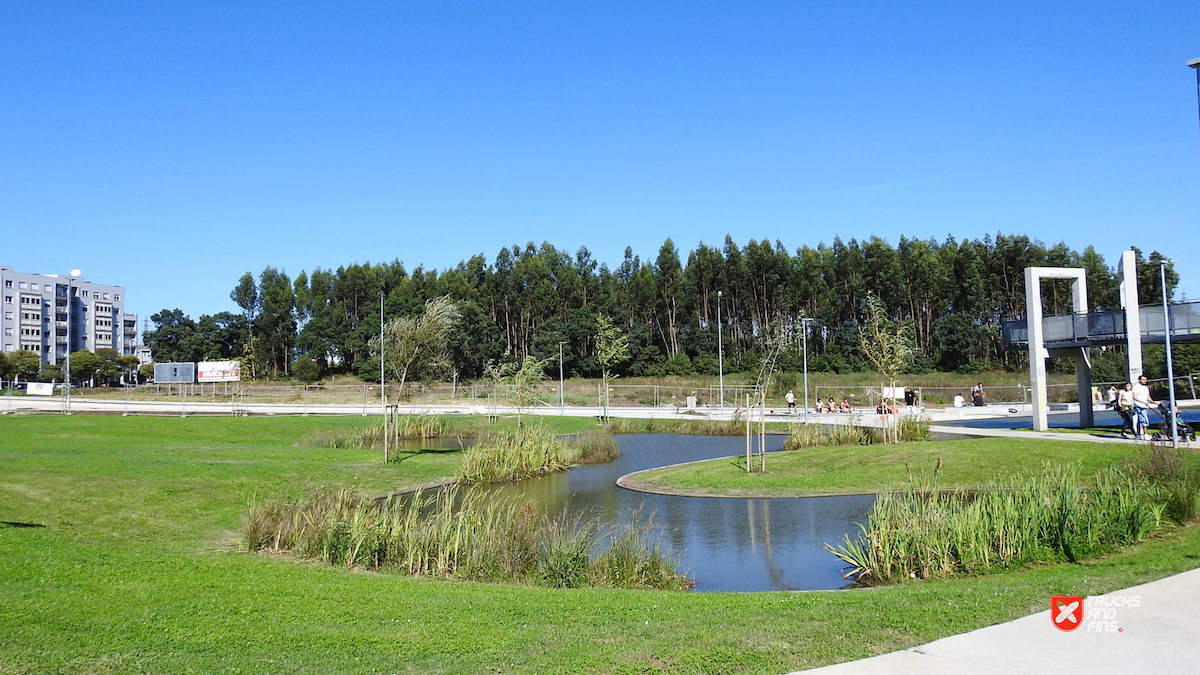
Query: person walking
977	394
1141	406
910	400
791	401
1124	406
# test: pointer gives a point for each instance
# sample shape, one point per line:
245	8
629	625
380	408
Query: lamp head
76	273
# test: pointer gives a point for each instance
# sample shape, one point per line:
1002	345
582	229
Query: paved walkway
1160	635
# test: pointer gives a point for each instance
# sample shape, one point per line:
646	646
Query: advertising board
174	372
218	371
40	389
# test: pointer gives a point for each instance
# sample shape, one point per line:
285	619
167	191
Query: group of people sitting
832	407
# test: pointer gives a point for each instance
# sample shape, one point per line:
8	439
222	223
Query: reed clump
907	428
734	427
924	532
469	535
531	452
402	427
593	448
1175	477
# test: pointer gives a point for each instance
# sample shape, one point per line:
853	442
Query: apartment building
53	314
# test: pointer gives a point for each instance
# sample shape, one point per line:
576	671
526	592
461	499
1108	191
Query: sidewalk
1159	635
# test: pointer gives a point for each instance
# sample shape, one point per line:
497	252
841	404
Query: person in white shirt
1141	405
791	400
959	401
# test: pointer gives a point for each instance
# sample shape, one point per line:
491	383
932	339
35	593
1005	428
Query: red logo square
1066	611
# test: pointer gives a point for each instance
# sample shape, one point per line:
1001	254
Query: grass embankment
875	468
129	563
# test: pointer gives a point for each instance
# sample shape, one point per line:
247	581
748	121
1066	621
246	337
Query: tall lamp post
383	383
1162	271
561	399
720	353
70	294
804	321
1194	64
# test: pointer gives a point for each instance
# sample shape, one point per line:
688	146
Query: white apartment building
53	314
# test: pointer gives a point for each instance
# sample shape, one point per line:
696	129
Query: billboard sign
40	389
218	371
165	373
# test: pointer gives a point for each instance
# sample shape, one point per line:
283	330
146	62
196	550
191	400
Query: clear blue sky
170	147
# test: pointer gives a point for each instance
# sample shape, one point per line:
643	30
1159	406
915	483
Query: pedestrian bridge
1106	327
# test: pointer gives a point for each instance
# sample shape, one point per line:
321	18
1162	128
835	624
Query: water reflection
727	544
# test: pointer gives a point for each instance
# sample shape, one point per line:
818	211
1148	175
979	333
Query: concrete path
1154	628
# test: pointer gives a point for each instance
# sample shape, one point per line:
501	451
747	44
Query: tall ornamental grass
1175	475
592	448
469	535
907	428
700	427
532	452
923	532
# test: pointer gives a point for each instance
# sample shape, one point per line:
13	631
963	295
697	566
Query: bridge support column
1083	379
1037	347
1127	269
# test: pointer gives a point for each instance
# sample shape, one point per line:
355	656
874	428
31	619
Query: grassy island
878	468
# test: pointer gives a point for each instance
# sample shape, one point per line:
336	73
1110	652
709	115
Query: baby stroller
1182	429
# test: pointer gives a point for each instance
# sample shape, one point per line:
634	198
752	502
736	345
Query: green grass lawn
872	468
119	545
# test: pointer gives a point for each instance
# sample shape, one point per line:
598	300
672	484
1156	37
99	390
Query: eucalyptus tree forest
527	300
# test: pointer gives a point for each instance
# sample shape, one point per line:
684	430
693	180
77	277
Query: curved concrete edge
413	489
630	481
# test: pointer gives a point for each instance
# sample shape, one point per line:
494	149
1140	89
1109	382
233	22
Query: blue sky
170	148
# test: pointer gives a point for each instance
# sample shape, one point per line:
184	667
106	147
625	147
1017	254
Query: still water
726	544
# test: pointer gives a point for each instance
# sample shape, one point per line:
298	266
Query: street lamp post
804	321
383	383
1194	64
1162	271
720	353
561	398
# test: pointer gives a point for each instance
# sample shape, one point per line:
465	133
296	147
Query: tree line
527	300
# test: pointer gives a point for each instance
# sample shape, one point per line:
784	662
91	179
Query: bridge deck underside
1095	329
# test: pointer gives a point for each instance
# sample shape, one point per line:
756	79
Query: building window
8	284
24	285
33	287
116	296
106	296
8	299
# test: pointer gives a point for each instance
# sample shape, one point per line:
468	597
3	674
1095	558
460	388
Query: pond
726	544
